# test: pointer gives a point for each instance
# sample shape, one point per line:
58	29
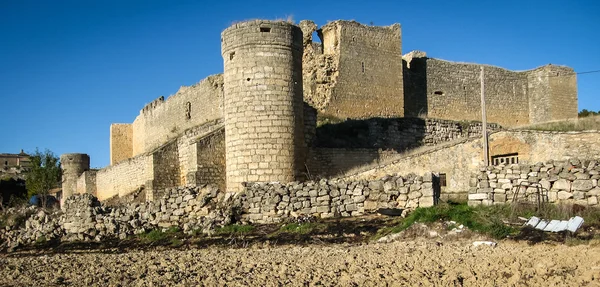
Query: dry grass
580	124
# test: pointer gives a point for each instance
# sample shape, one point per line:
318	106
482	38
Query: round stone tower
73	165
263	102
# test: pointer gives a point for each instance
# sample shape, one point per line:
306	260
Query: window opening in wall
231	55
510	158
363	66
188	110
439	93
6	162
265	29
442	179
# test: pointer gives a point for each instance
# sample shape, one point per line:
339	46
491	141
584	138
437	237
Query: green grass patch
170	236
490	220
304	228
479	219
234	229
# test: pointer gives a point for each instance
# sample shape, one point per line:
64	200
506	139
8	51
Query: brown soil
402	263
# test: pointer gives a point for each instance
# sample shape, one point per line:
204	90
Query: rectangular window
265	29
442	179
509	158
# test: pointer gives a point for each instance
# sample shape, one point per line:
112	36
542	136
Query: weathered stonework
121	142
272	202
451	90
257	122
458	160
571	181
264	124
73	165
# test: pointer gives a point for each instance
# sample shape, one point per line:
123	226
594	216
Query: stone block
376	185
414	194
322	209
582	185
477	196
359	199
592	200
552	196
562	195
351	207
562	184
499	197
370	205
594	192
428	177
426	201
389	185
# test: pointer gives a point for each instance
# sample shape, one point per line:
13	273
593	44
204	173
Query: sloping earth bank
409	263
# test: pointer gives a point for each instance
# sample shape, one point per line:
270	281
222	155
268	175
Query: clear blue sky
68	69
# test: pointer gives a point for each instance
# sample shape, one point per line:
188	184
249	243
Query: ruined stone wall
538	91
121	142
460	159
451	90
73	165
370	71
87	182
211	160
454	92
187	147
125	177
571	181
263	102
163	120
395	133
166	170
358	74
563	88
336	162
346	147
272	202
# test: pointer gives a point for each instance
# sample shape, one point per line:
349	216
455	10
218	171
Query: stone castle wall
163	120
86	183
211	160
73	165
571	181
125	177
121	142
263	102
357	71
176	163
271	202
459	160
451	90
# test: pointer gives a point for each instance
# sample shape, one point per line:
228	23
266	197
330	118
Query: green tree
45	174
585	113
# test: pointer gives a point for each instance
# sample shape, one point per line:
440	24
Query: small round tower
263	102
73	165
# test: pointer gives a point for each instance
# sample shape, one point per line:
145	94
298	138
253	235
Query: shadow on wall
415	87
397	134
339	148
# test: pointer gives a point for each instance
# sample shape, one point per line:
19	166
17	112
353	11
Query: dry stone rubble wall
571	181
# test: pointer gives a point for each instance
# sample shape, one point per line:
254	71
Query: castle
257	122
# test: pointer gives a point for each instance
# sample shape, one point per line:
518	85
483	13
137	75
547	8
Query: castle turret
263	102
73	165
